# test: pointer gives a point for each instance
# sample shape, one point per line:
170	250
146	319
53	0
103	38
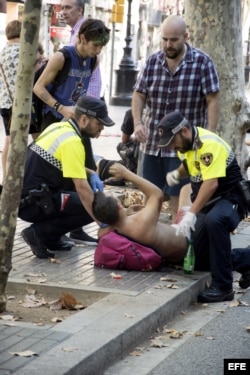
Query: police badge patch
206	159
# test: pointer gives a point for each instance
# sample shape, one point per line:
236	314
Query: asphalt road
209	333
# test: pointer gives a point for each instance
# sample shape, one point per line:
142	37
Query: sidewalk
125	313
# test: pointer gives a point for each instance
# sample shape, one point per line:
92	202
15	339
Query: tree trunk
216	28
18	140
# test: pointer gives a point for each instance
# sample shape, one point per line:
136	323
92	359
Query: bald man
177	77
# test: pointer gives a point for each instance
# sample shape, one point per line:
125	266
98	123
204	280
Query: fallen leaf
55	305
26	353
176	335
56	320
135	354
69	350
35	274
68	301
172	286
234	303
168	279
128	316
248	329
242	303
8	317
159	286
30	290
198	334
33	301
53	260
210	338
157	343
9	298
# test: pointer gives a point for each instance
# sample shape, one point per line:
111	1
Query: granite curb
103	333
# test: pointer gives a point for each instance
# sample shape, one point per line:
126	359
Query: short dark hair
105	208
13	29
95	30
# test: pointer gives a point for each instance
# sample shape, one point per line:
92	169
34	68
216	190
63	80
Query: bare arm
126	138
206	191
85	194
138	102
54	65
213	110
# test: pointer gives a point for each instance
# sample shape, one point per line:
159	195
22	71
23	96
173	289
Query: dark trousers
51	227
212	244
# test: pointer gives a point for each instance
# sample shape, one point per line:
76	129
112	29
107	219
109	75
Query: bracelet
57	105
138	123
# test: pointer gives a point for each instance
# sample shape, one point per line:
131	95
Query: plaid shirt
95	83
185	91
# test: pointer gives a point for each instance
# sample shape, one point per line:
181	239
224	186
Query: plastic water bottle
188	264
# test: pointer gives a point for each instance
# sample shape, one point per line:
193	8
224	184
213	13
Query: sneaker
38	248
214	294
61	246
244	281
79	236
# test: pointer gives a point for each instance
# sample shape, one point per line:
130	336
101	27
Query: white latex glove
173	178
186	224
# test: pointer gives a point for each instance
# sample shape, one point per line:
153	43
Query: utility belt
41	197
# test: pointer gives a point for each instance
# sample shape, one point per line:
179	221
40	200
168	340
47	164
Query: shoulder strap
93	63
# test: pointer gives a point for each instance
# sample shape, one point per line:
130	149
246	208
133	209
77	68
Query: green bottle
188	264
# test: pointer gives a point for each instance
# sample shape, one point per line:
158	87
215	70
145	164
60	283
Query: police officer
218	204
46	202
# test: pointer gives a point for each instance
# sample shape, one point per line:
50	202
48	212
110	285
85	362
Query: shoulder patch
207	159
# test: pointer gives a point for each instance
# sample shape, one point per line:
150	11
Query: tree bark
216	28
18	140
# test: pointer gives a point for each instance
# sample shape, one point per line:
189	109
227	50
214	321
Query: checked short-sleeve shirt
185	91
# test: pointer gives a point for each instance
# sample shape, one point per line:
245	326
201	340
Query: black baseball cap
169	126
94	107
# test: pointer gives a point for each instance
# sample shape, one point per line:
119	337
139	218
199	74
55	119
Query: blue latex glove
95	182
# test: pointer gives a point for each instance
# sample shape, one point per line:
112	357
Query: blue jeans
155	169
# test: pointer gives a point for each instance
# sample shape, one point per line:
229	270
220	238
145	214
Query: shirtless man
143	226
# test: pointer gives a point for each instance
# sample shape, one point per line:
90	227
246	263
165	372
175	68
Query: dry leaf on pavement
55	305
69	350
8	317
157	343
69	302
135	354
56	320
172	286
26	353
33	301
166	278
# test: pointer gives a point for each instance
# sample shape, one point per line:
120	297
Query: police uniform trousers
212	244
68	214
